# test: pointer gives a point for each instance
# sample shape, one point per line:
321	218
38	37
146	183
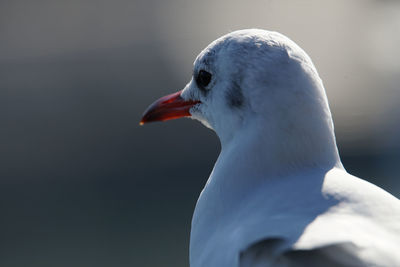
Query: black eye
203	79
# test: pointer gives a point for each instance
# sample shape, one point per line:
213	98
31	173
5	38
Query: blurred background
82	184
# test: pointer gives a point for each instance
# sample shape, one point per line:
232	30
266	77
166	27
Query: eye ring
203	79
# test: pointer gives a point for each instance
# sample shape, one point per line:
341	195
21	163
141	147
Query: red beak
169	107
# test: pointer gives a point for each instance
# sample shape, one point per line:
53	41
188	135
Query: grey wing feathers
265	253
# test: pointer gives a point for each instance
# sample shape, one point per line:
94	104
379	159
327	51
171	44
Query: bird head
246	79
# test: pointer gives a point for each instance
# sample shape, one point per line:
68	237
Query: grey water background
82	184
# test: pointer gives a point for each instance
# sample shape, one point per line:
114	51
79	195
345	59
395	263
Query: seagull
278	194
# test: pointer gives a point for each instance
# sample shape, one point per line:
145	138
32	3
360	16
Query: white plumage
278	194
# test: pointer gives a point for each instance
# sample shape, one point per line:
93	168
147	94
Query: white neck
272	150
277	146
265	151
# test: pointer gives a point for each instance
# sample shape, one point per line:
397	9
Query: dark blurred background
82	184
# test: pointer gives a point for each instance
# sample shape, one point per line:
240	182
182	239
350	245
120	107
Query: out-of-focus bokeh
82	184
